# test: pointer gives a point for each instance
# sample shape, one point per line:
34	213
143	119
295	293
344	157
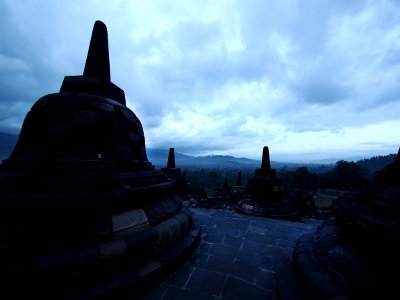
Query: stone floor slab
207	282
239	257
238	289
245	271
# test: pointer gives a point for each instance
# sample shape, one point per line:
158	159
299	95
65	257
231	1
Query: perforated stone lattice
82	126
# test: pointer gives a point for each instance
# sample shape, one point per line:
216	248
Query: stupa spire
98	60
265	164
171	159
96	78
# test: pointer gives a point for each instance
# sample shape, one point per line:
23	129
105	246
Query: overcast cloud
310	79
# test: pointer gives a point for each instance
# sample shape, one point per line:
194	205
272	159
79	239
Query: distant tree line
209	182
376	163
345	175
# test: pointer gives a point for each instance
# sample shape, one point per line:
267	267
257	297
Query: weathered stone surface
354	254
83	213
246	270
135	218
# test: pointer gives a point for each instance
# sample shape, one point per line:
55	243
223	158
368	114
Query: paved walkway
239	257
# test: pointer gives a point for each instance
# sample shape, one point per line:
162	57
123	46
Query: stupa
175	173
238	192
355	254
266	193
84	214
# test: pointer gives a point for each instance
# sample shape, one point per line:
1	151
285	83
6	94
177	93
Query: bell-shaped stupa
83	212
355	254
265	191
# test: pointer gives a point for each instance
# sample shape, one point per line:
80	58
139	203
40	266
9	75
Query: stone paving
239	257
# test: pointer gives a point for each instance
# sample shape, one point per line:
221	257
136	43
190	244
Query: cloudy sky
310	79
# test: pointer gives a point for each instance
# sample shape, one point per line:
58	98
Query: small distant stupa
175	173
266	193
83	213
238	192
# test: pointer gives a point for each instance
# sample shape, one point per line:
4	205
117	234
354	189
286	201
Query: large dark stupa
84	214
355	254
265	191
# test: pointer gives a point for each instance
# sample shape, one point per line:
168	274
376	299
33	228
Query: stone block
122	152
239	289
245	271
135	218
133	137
84	117
174	293
218	264
149	269
181	276
211	238
224	251
199	260
129	115
250	257
102	106
169	233
113	249
267	280
204	248
207	282
255	246
232	241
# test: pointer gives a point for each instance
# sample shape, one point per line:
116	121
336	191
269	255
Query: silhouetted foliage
376	163
212	181
305	179
345	176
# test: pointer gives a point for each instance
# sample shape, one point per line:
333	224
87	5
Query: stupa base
374	221
279	211
328	265
127	265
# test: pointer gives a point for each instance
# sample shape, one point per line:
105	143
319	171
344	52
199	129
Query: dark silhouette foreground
83	213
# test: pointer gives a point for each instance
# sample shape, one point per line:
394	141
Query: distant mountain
220	161
159	158
7	144
331	160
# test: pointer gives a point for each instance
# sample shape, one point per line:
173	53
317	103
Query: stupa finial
265	164
96	77
171	159
98	61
